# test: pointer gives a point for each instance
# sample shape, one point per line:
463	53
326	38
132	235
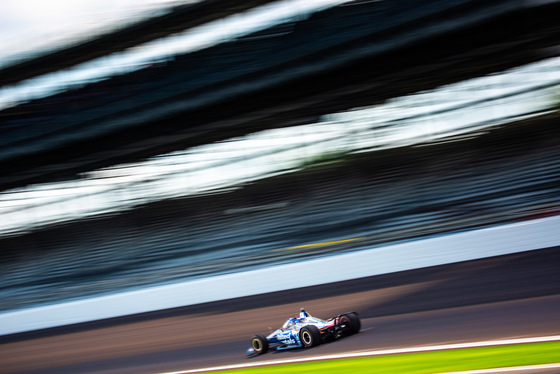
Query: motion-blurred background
184	139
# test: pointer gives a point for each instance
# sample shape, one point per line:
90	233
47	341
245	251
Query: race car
305	331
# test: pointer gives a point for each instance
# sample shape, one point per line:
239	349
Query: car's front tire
259	344
310	336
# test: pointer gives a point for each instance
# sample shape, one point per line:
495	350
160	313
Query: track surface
502	297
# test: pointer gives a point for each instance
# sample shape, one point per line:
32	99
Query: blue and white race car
306	331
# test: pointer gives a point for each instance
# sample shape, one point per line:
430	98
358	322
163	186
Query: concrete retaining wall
507	239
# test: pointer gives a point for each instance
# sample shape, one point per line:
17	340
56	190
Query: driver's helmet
291	322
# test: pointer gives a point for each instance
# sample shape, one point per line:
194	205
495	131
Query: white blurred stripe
465	246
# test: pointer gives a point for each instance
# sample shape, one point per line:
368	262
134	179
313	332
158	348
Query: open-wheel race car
306	331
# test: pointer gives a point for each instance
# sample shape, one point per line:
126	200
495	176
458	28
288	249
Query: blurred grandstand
328	68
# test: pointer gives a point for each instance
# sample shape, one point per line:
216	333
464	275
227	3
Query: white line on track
431	348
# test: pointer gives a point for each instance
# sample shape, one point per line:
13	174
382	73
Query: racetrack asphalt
503	297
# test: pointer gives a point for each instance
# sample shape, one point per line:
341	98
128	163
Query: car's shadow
275	351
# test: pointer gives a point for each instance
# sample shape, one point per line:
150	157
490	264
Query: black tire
350	324
259	344
310	336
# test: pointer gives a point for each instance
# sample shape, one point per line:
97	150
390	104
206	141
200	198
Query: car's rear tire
259	344
310	336
350	324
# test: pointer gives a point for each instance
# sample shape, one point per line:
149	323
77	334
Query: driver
290	323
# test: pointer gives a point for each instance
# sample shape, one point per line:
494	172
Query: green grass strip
426	362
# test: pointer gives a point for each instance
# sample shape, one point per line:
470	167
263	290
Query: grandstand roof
341	58
178	19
